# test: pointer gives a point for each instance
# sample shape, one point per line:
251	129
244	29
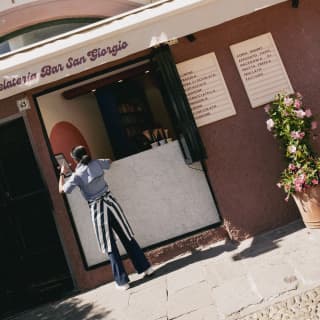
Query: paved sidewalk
275	275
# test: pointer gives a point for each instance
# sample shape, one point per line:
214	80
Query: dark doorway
33	268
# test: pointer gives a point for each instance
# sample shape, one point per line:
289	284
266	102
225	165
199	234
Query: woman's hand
63	169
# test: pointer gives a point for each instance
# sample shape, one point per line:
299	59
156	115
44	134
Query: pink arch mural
63	137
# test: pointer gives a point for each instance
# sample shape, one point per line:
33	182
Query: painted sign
206	90
261	69
61	66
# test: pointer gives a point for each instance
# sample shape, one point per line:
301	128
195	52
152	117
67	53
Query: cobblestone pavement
305	306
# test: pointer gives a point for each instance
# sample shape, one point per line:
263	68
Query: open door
175	96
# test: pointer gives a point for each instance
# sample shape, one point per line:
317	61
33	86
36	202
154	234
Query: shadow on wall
72	309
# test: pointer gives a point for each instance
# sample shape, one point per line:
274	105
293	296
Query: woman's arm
61	183
61	179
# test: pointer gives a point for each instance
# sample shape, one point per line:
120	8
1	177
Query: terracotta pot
308	203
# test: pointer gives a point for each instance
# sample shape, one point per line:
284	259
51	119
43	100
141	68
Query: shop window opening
134	115
115	117
144	107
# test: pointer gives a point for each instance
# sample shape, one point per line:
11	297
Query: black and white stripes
100	211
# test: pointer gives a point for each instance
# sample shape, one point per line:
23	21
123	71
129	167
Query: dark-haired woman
106	214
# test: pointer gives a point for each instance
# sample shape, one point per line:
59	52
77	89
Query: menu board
261	69
206	90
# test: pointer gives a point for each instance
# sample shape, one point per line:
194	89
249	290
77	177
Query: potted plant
292	124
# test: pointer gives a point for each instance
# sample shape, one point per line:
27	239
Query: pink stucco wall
244	160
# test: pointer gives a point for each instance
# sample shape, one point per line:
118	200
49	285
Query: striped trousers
108	219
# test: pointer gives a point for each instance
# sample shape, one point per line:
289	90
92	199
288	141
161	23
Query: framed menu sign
261	69
206	90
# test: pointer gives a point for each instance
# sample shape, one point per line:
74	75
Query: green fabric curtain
178	105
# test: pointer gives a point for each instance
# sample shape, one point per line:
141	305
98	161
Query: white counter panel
162	198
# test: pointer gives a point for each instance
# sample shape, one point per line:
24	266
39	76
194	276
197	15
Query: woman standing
106	214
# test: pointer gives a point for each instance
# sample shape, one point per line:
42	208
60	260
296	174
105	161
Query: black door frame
28	131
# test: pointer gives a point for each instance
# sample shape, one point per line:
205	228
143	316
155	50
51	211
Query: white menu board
261	69
206	90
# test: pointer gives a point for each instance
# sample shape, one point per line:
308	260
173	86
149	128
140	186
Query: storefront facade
56	93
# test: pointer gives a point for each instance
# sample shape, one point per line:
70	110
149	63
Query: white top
90	179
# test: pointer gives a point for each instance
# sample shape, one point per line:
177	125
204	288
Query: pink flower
270	124
299	182
300	114
308	113
297	135
292	167
267	108
298	187
279	185
294	134
288	101
315	181
292	149
301	179
297	104
314	125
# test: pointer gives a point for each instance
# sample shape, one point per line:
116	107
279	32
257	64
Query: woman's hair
80	154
